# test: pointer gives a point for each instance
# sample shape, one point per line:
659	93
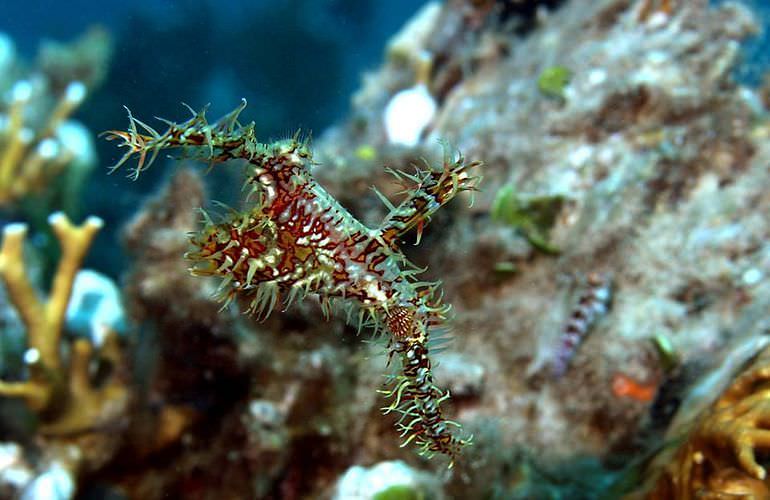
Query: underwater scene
385	250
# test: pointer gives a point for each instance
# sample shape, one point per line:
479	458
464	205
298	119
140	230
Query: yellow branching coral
61	394
718	459
30	158
38	140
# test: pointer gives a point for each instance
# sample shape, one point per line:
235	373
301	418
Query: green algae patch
532	215
553	80
400	492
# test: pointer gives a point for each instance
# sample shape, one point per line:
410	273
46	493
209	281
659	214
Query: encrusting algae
293	238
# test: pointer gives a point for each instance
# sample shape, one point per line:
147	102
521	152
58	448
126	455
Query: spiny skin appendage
293	238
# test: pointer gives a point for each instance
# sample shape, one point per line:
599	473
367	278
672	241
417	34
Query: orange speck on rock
624	386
